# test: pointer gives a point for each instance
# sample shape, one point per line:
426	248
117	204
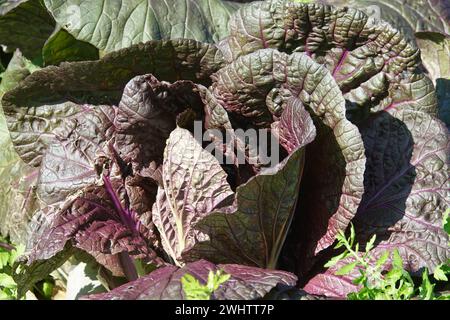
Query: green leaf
371	243
7	281
216	279
441	271
333	261
383	258
16	253
143	268
439	274
113	25
426	290
397	261
394	275
352	234
4	259
62	46
435	51
193	289
446	221
346	269
5	296
47	289
28	275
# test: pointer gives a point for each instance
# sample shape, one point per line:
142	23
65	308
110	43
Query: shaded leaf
407	187
25	25
62	46
254	230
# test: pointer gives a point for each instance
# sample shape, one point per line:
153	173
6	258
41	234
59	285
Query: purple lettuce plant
122	177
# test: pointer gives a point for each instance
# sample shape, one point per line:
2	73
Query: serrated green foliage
442	271
8	258
446	221
383	277
194	290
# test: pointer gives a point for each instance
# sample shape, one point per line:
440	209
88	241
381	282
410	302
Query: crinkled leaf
96	222
245	283
117	24
407	193
33	128
62	46
145	117
333	184
409	16
295	128
253	231
166	60
435	50
351	45
68	164
194	185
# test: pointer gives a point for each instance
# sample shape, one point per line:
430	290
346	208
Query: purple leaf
96	222
246	283
333	182
295	128
194	185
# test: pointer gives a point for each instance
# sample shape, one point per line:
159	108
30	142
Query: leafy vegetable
186	195
252	231
104	152
407	187
165	284
298	76
97	223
